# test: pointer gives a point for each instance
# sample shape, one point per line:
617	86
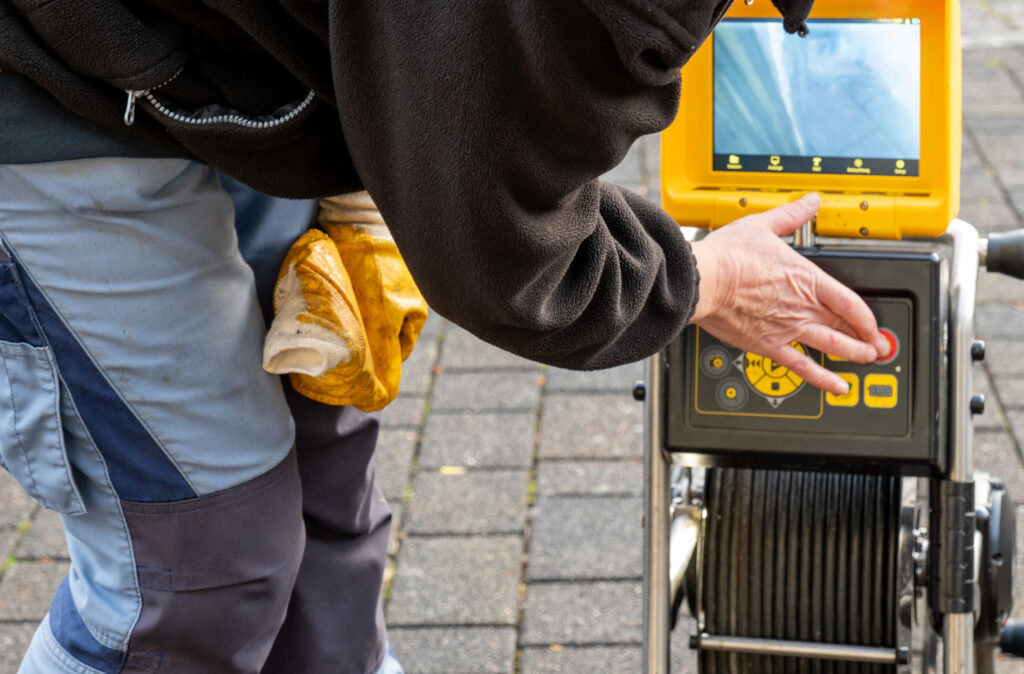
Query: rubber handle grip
1006	253
1012	641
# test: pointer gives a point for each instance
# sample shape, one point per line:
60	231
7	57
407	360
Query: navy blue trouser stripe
72	634
138	467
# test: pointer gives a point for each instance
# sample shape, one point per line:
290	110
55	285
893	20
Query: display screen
845	99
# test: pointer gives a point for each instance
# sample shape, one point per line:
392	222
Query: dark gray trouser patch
335	624
215	575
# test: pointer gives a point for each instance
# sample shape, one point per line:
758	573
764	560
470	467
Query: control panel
729	406
741	389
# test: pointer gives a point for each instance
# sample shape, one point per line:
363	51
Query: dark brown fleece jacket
478	126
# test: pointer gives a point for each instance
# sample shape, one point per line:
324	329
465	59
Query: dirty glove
347	312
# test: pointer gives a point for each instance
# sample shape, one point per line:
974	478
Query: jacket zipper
239	120
134	94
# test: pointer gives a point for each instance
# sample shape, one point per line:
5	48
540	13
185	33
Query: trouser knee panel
215	575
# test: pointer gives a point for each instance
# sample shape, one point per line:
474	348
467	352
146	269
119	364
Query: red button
894	345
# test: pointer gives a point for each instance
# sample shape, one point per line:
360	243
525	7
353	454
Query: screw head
639	390
863	205
977	404
743	202
863	231
978	350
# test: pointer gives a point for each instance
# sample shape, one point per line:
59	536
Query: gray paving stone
985	86
1001	142
993	416
405	411
479	440
682	659
1008	665
995	454
418	368
998	288
990	58
492	502
435	326
603	613
1005	357
586	537
456	581
1011	174
463	350
486	391
969	159
984	108
997	323
16	506
1010	391
610	659
8	539
455	650
393	459
993	217
28	587
1016	419
982	384
591	426
45	540
628	170
979	184
14	641
615	379
1017	200
574	659
570	478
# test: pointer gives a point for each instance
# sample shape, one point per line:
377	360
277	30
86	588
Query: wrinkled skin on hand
758	294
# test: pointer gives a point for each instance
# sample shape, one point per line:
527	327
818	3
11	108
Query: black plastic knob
978	404
1005	253
978	350
1012	641
639	390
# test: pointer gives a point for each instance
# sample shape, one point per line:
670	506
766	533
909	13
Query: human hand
758	294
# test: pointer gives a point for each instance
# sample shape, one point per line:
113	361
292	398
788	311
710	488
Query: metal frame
958	629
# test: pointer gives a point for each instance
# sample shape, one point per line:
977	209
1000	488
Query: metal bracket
801	649
951	550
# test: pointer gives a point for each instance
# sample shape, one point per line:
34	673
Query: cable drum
799	556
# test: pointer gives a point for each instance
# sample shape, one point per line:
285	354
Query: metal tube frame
799	649
657	526
958	629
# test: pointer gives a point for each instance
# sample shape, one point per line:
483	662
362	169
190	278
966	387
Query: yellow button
851	397
836	359
880	390
770	378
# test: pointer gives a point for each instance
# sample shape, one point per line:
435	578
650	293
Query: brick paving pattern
517	487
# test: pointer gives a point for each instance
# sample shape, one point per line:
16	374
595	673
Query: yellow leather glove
347	311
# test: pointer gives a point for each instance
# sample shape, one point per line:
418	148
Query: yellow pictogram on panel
851	397
881	391
769	378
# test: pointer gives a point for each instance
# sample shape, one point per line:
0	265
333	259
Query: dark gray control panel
735	389
727	406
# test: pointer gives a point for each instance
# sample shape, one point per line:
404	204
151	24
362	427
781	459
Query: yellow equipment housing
857	203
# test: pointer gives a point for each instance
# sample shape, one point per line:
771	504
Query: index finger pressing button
894	345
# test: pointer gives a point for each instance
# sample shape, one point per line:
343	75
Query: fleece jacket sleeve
479	128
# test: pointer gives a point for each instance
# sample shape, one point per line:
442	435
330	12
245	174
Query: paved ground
517	488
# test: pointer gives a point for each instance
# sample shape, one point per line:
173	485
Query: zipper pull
129	109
